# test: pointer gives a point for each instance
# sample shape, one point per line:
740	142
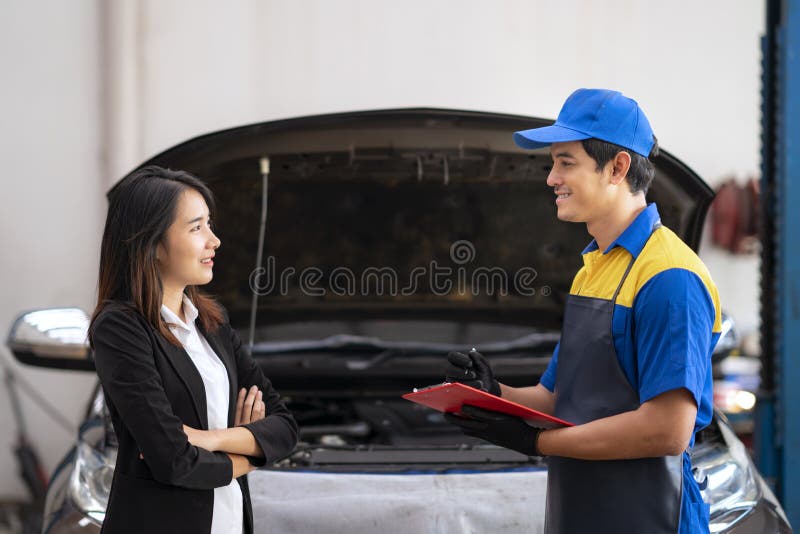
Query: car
736	384
357	250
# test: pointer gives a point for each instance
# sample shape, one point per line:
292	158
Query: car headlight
91	478
731	484
733	399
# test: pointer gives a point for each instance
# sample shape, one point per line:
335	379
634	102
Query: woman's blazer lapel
185	369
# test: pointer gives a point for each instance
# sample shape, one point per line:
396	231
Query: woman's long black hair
141	208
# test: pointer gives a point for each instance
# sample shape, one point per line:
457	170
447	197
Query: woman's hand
241	465
205	439
249	406
236	440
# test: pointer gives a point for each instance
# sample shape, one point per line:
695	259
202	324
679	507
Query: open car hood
371	205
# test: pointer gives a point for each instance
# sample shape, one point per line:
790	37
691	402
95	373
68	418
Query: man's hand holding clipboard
481	413
472	369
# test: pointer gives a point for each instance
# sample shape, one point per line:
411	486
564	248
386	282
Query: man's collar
635	235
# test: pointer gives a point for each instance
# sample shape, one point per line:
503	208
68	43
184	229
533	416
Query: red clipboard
450	396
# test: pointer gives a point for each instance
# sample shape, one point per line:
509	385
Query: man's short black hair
641	173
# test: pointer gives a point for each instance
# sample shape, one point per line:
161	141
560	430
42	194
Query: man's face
582	192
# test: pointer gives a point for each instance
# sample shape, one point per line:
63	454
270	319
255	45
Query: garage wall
51	213
693	66
91	88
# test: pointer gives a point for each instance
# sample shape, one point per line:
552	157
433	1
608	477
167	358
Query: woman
171	367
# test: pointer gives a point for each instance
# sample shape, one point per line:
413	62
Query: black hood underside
392	193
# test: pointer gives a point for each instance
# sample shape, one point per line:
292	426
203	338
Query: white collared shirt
228	512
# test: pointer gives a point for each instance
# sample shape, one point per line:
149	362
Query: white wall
693	66
92	88
52	197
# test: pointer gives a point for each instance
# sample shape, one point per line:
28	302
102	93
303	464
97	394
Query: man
633	368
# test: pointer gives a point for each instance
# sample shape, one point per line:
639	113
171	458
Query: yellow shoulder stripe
601	274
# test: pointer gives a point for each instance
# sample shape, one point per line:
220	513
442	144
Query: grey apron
641	495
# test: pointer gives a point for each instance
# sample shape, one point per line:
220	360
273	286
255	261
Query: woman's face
184	257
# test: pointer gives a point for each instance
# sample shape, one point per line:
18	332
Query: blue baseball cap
599	113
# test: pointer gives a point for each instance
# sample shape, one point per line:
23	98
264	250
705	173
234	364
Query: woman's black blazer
152	388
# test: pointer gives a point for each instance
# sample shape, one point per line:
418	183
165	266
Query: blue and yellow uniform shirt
666	321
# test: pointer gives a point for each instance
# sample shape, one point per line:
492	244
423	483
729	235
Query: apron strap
656	226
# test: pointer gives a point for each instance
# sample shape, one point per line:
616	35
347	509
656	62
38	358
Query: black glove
473	370
501	429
